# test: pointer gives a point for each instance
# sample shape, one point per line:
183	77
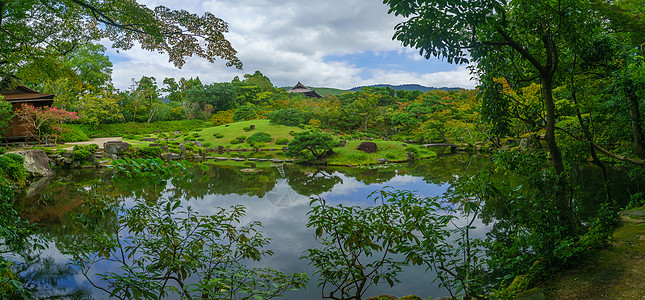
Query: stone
342	143
410	156
262	159
36	163
115	147
252	127
149	140
198	157
252	159
198	144
381	160
164	148
284	149
275	160
176	133
367	147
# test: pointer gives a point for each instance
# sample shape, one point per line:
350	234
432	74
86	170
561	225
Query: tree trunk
635	116
566	214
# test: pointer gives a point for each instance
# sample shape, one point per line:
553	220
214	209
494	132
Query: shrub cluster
148	152
12	168
259	137
82	153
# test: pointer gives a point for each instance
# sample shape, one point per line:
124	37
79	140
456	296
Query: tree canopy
35	29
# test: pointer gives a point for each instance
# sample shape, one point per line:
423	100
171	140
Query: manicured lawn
390	150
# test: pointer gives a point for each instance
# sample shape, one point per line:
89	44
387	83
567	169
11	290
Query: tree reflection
312	183
45	279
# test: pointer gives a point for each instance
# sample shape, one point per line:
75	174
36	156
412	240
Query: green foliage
82	153
3	150
17	238
148	152
163	243
282	141
73	134
317	143
288	117
147	167
244	113
365	246
12	168
120	129
259	137
6	113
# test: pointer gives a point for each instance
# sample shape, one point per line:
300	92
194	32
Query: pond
278	197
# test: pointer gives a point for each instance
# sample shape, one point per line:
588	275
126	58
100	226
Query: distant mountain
406	87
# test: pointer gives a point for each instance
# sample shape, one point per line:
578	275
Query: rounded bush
259	137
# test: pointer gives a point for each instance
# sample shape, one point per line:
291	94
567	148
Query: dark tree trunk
637	130
566	214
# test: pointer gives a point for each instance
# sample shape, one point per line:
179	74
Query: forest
561	93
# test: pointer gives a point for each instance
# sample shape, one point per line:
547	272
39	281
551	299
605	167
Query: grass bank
237	138
613	273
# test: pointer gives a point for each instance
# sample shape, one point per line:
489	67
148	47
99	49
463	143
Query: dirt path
614	273
97	141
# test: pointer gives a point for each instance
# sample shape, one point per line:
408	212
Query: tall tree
522	40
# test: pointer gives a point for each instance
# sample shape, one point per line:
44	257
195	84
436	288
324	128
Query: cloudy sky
322	43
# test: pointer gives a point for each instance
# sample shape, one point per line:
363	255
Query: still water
277	197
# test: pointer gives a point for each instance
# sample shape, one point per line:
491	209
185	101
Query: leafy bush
221	117
73	133
119	129
235	141
261	137
12	168
244	113
3	150
82	153
241	138
288	117
219	136
282	141
148	152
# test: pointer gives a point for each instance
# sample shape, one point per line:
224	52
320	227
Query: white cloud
289	40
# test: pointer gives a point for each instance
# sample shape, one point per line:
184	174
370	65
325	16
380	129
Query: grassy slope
393	151
348	155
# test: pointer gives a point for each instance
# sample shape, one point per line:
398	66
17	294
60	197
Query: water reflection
279	201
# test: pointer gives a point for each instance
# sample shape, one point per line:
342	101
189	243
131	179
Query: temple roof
22	93
302	89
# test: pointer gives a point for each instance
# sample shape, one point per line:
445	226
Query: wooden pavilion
17	96
302	89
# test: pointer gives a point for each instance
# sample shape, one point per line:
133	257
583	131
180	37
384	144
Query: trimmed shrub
259	137
244	113
282	141
148	152
3	150
72	133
